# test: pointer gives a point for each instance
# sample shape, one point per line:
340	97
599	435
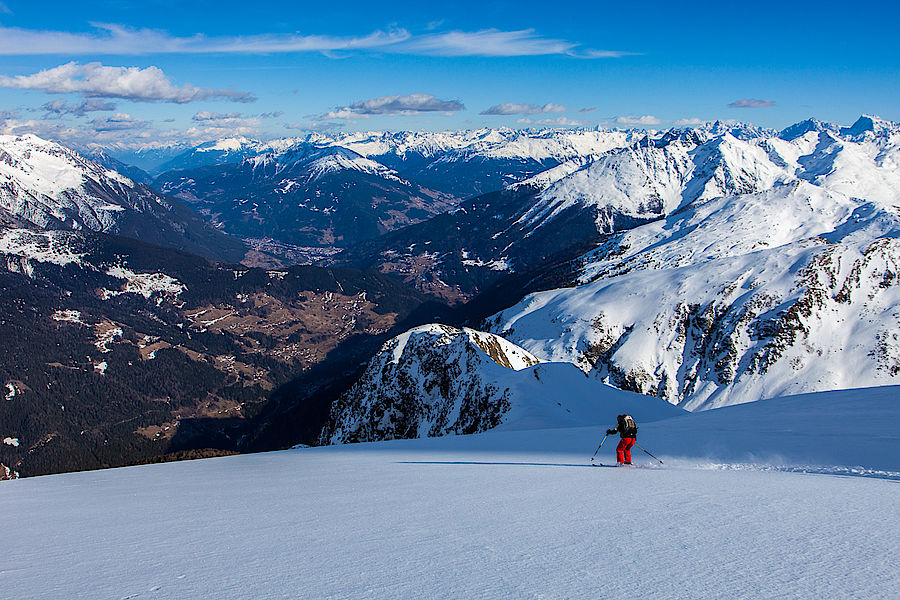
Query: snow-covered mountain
774	271
306	195
564	210
48	186
438	380
406	176
538	145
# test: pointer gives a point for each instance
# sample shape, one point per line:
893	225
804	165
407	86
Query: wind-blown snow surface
775	271
518	514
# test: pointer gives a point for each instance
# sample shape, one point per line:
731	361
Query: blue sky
162	71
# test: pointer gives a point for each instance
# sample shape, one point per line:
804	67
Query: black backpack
629	427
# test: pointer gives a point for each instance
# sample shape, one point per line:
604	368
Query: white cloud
512	108
631	121
689	122
494	42
118	122
751	103
410	104
343	113
132	83
4	10
205	115
121	131
554	122
61	107
120	40
216	125
316	126
73	135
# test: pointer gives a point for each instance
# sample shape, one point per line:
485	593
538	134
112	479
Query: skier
627	430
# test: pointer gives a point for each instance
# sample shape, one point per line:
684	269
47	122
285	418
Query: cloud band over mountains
751	103
513	108
115	39
410	104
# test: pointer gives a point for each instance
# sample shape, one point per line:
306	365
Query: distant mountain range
337	191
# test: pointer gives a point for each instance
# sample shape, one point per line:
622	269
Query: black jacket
622	428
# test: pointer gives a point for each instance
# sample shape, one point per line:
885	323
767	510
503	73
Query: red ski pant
623	450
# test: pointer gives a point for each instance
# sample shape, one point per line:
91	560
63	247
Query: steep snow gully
503	514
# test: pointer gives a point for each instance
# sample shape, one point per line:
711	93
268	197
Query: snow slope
517	514
44	183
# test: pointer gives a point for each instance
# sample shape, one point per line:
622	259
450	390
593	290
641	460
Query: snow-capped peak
869	124
314	162
498	349
228	144
48	185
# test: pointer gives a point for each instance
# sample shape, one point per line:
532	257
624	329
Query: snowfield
786	498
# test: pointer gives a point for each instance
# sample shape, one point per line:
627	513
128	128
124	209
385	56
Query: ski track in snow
506	514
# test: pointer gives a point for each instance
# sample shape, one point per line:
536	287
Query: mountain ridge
48	186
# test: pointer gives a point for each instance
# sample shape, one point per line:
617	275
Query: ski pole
660	462
598	447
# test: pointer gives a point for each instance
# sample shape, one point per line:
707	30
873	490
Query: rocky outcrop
433	380
438	380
